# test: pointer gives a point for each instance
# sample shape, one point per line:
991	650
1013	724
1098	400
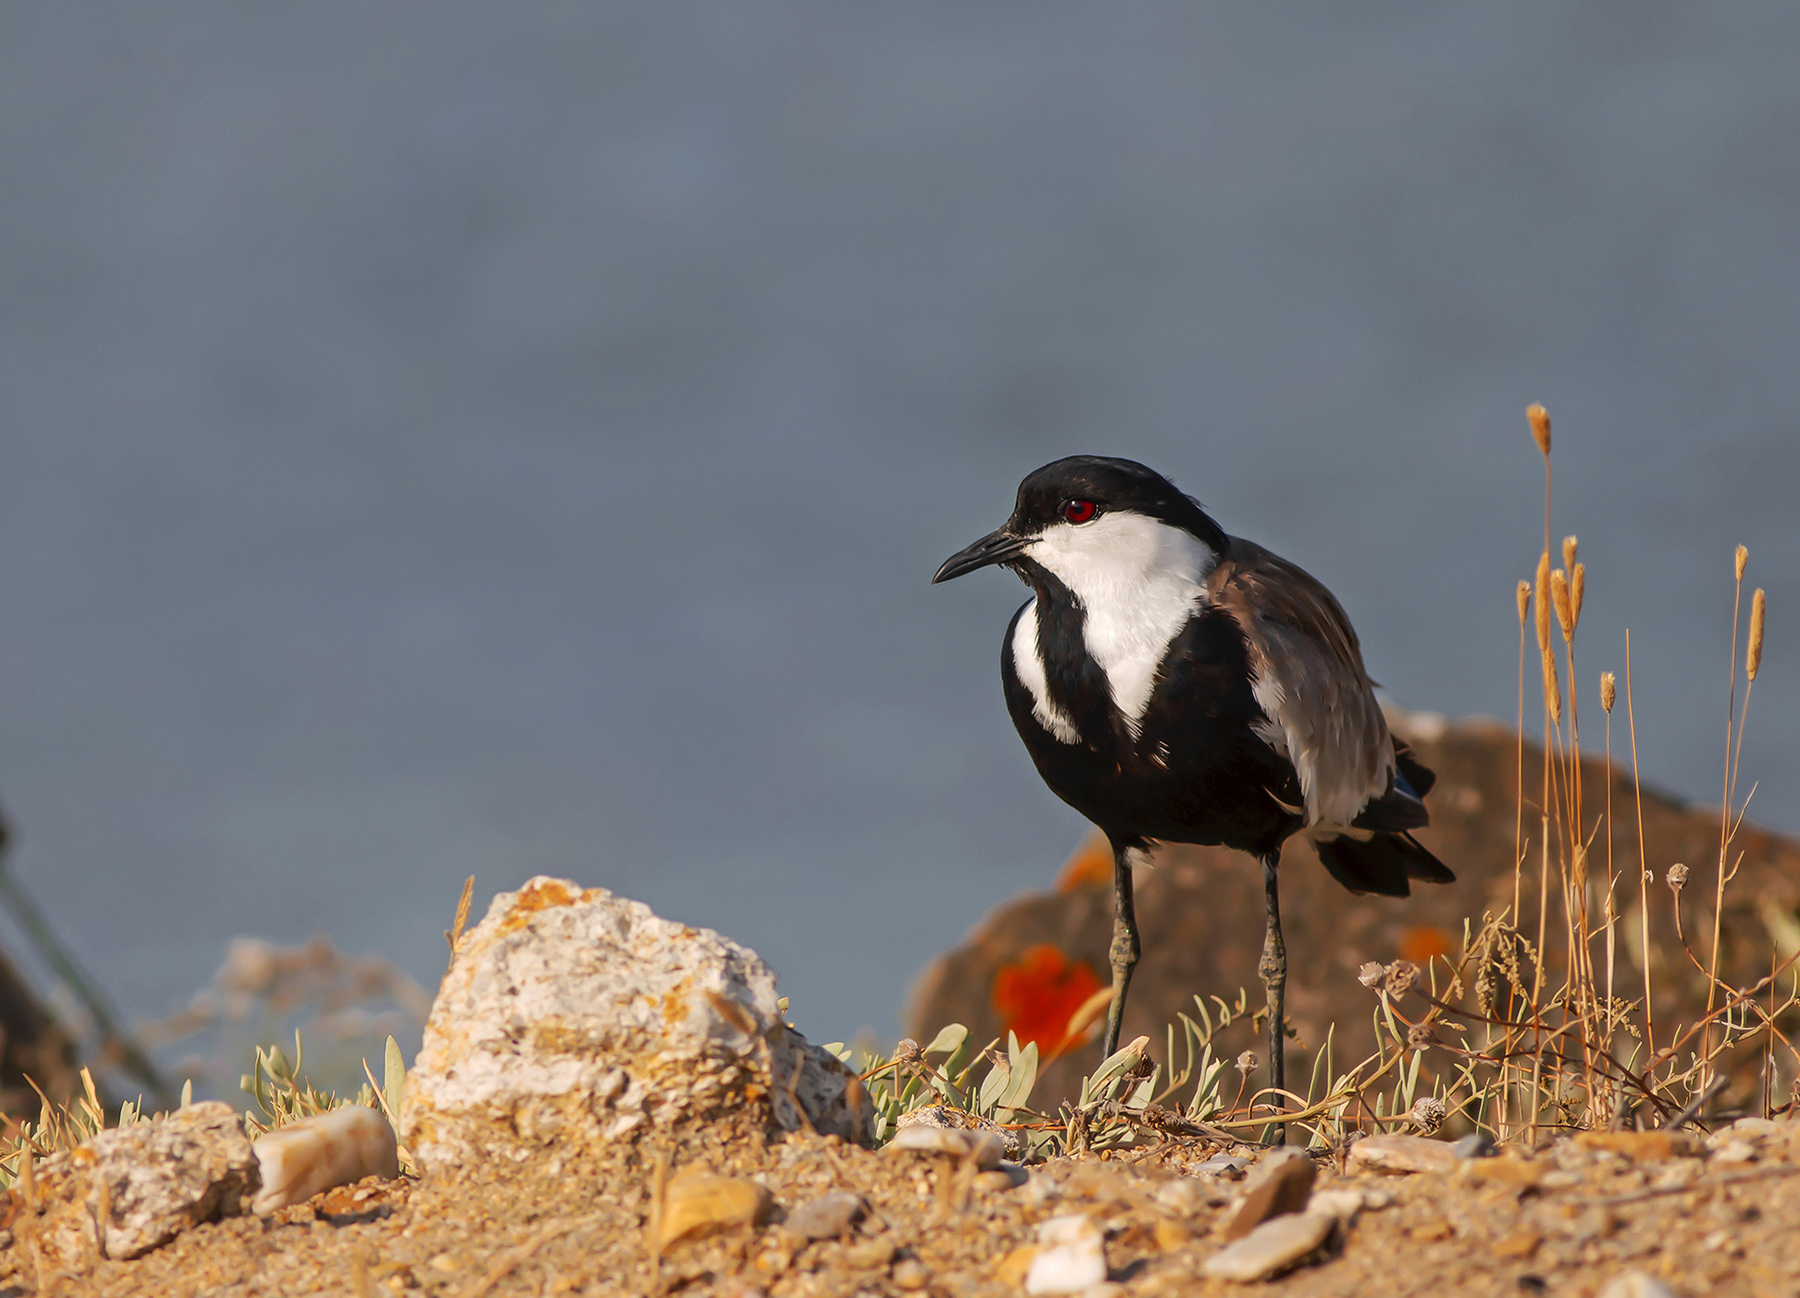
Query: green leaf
1024	1077
993	1087
1110	1070
393	1081
947	1040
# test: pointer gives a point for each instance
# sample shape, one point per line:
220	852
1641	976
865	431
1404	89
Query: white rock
572	1016
1342	1204
1273	1247
301	1159
936	1115
985	1147
161	1177
1071	1256
1635	1284
1397	1153
1735	1151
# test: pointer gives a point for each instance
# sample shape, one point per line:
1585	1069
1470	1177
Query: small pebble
826	1217
910	1273
1273	1247
1397	1153
1635	1284
329	1149
1640	1146
985	1147
1342	1204
1280	1184
1474	1145
1007	1176
1071	1257
699	1203
1735	1151
869	1253
1183	1195
1223	1166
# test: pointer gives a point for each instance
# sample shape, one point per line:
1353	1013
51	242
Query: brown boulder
1034	959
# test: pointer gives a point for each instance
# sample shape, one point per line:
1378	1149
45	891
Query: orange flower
1036	996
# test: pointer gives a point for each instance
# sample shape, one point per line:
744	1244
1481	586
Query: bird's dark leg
1124	950
1273	968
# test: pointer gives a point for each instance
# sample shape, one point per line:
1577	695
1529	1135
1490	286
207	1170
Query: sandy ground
1568	1219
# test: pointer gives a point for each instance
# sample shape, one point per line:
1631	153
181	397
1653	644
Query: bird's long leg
1273	968
1124	950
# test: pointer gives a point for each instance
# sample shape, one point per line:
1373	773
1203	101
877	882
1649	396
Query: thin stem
1637	789
1712	972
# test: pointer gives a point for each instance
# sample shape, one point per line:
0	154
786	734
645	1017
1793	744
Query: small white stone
1183	1195
1398	1153
1271	1248
1735	1151
1071	1257
1635	1284
1341	1204
301	1159
986	1148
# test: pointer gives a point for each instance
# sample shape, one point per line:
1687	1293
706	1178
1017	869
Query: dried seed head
1369	974
1577	585
1542	595
1753	656
1419	1036
1568	552
1677	877
1609	690
1741	558
1552	688
1428	1114
1246	1061
1401	975
1540	426
1524	601
907	1054
1559	596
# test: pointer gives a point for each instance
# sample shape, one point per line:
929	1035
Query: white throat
1138	581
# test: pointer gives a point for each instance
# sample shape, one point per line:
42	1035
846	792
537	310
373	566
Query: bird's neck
1117	600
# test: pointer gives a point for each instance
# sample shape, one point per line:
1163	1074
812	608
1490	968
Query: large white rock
572	1017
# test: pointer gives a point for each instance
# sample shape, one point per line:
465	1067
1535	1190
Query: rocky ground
611	1103
1704	1216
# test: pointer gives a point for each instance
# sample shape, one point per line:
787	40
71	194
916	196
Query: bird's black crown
1110	484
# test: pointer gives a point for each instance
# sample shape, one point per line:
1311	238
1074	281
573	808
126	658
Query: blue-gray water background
441	439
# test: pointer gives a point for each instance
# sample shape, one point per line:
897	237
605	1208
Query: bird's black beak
996	547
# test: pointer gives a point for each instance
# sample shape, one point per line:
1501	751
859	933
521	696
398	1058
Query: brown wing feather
1310	680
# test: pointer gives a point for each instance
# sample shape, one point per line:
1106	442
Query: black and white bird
1175	684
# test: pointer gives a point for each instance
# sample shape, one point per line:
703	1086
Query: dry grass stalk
1733	726
1559	597
1539	418
1753	651
1541	588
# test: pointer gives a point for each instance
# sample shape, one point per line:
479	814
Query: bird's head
1093	521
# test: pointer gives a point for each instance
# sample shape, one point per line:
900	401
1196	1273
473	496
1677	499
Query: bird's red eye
1079	511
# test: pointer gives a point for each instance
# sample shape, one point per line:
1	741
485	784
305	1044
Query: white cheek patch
1138	581
1028	665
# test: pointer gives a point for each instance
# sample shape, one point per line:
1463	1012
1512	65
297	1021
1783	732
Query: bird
1174	684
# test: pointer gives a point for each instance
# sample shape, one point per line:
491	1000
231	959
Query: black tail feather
1382	864
1421	777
